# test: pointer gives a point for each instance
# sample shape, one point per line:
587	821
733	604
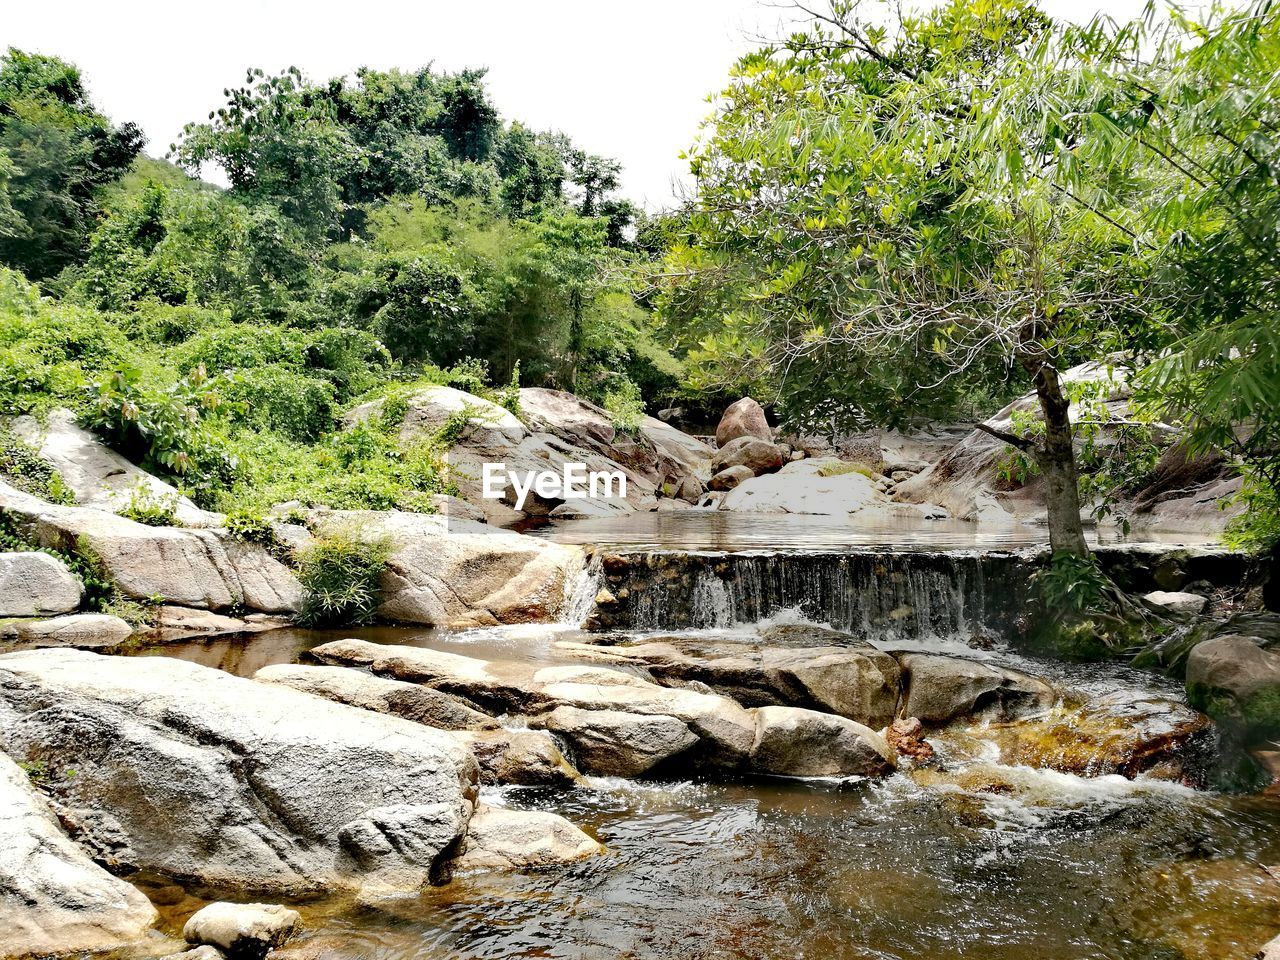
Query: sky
626	80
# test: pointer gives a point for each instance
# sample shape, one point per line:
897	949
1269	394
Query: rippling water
984	861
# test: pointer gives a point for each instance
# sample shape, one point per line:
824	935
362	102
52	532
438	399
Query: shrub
623	401
251	527
23	467
341	574
277	398
146	506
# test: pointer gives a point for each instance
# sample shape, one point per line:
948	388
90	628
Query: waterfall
874	593
580	589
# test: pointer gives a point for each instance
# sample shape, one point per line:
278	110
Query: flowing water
987	860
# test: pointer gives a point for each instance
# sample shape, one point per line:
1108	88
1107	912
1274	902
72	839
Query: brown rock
743	419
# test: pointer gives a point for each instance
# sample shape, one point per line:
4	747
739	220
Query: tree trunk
1057	460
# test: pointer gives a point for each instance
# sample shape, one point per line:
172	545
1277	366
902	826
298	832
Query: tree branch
1022	443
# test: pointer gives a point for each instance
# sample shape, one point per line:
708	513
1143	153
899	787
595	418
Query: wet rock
906	737
1237	682
225	781
358	689
36	584
744	418
75	630
204	952
170	623
854	680
53	898
940	689
1269	951
730	477
503	839
759	456
615	744
804	743
526	758
243	931
1177	602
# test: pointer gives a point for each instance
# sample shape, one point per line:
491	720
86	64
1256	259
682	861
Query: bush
341	573
286	401
146	506
23	467
623	401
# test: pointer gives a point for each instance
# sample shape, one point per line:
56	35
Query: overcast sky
628	80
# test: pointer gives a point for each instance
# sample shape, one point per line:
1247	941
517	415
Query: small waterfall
580	589
877	594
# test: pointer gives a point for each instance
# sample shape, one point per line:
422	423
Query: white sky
627	80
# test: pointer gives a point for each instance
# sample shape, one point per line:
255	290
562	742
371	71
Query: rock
97	475
429	409
1269	950
170	623
53	898
1177	602
457	572
827	487
223	781
456	508
37	585
207	569
77	630
760	456
730	477
244	931
611	743
804	743
690	453
855	680
906	737
522	840
745	418
204	952
1237	682
940	689
358	689
526	758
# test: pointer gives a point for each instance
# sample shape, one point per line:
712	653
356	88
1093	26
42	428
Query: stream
988	860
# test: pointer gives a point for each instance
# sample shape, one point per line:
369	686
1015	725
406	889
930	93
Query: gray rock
940	689
53	898
804	743
744	418
760	456
86	630
809	486
244	931
1237	681
204	952
730	477
358	689
229	782
1269	950
612	743
527	758
521	840
1177	602
36	584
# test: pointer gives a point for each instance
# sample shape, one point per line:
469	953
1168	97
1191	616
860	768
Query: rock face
522	840
805	743
759	456
224	781
53	898
37	585
526	758
86	630
855	680
808	486
1237	682
363	690
940	689
244	931
207	569
453	571
97	475
614	709
745	418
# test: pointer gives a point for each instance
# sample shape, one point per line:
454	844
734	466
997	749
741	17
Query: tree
59	151
868	192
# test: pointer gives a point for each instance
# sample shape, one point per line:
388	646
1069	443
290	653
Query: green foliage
151	508
22	466
341	573
1257	529
1070	584
251	527
625	405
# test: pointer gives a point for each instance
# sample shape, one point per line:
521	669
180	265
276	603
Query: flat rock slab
34	584
225	781
53	898
82	630
522	840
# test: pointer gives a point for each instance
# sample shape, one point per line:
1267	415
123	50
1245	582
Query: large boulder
95	474
53	898
804	743
207	569
221	780
855	680
809	486
452	571
243	931
613	743
940	689
1237	682
744	418
524	758
85	630
521	840
730	477
692	454
759	456
429	409
36	584
394	697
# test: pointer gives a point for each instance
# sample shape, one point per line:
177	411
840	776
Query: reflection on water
978	860
729	531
